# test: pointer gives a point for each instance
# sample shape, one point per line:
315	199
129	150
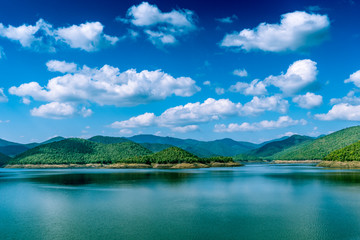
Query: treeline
349	153
80	151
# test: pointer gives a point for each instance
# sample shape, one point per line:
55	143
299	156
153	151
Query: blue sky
248	70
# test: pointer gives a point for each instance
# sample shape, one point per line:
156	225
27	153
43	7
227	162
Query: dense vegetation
79	151
4	159
108	140
277	146
222	147
175	155
319	148
266	151
155	147
13	150
348	153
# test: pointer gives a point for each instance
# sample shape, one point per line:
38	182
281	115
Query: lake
258	201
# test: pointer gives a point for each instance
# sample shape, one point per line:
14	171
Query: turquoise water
253	202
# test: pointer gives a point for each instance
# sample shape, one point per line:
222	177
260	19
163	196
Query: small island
81	153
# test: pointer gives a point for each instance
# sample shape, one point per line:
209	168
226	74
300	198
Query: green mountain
348	153
223	147
155	147
108	140
13	150
79	151
4	159
174	155
271	148
320	147
4	143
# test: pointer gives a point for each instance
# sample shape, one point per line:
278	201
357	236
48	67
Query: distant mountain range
295	147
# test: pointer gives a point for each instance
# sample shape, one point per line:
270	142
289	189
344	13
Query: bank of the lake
128	165
295	161
257	201
340	164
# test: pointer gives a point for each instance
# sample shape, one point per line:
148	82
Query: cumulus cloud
107	86
207	83
3	97
88	36
256	87
283	121
341	111
185	129
144	120
349	98
219	91
354	78
162	28
240	72
229	19
61	66
56	110
308	101
299	76
297	31
180	118
259	105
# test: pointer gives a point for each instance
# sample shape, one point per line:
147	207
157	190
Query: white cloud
283	121
210	110
87	36
287	134
126	131
354	78
162	28
160	38
108	86
191	113
300	75
3	97
61	66
256	87
56	110
341	111
308	101
219	91
349	98
42	36
207	83
144	120
296	31
240	72
229	19
185	129
259	105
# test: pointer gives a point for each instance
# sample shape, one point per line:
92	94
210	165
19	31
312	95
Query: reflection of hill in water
77	179
334	177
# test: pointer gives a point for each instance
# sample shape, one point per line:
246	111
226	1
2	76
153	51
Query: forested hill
80	151
348	153
320	147
271	148
4	159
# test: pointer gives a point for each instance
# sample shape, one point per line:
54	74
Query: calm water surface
251	202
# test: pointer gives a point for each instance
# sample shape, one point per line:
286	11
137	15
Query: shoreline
125	165
341	165
294	161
